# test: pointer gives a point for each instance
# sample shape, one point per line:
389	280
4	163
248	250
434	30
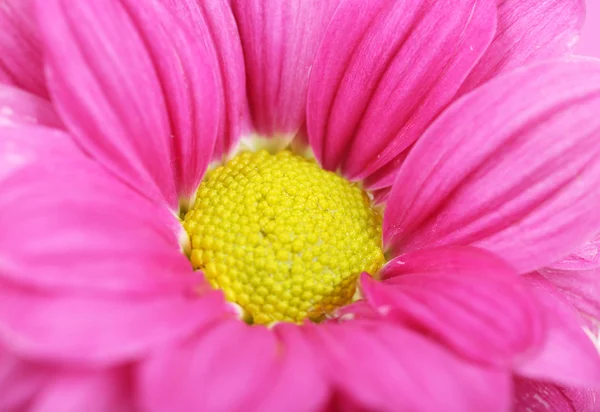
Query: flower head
142	228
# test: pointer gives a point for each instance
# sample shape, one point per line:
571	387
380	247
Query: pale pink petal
20	107
105	87
69	225
99	330
588	44
185	68
22	145
280	40
537	396
578	277
21	58
568	357
466	298
20	381
580	287
229	367
90	391
212	21
382	367
528	31
384	71
586	257
511	168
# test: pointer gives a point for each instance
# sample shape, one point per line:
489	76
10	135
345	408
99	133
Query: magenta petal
21	57
280	40
568	357
20	382
528	31
231	364
381	181
106	88
384	71
186	70
5	77
382	367
537	396
213	22
68	225
299	385
89	270
98	330
20	107
92	391
361	309
511	168
580	287
464	297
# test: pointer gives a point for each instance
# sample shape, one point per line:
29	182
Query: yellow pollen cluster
283	238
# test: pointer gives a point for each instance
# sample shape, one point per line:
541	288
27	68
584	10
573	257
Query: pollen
283	238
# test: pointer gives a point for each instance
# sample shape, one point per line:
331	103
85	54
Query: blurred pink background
589	43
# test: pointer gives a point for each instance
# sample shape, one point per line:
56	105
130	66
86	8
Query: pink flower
101	310
589	43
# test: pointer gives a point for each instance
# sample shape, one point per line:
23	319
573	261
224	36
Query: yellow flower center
283	238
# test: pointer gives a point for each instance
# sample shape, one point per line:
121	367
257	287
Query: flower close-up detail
588	44
300	205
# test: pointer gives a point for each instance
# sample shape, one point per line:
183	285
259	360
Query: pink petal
510	168
18	107
577	277
213	22
381	181
20	381
86	391
588	44
90	329
23	145
89	270
384	71
361	309
537	396
382	367
229	367
107	90
568	357
464	297
21	57
580	287
341	403
298	385
586	257
68	225
185	69
528	31
280	40
5	77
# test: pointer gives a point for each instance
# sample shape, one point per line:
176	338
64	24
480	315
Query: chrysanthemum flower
154	257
